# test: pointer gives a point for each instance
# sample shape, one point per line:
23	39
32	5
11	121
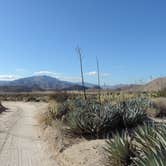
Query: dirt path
20	144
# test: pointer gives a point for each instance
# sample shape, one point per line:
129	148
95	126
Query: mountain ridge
39	83
44	83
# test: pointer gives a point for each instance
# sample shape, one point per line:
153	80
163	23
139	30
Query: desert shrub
119	150
2	108
160	105
153	112
53	109
58	110
59	97
46	119
162	93
32	99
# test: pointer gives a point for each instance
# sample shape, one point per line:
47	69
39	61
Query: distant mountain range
154	85
40	83
46	83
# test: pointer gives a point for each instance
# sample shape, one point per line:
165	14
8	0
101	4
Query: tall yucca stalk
81	68
98	76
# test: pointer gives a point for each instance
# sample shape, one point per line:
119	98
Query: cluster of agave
60	109
147	146
99	120
134	111
94	120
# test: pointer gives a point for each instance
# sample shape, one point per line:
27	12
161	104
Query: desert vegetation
162	93
145	146
27	97
124	120
122	124
2	108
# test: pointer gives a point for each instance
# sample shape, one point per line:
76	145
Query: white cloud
58	75
91	73
94	73
46	72
8	77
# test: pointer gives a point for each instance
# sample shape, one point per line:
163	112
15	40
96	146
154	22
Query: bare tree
82	74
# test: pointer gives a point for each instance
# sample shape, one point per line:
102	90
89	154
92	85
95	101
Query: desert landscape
82	83
63	128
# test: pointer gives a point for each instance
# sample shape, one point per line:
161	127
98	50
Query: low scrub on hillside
158	108
160	105
26	97
162	93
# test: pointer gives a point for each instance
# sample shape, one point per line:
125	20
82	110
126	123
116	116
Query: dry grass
160	107
55	134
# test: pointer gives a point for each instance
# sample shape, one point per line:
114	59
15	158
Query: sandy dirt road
20	143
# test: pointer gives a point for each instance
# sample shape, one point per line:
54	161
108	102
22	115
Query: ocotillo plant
81	68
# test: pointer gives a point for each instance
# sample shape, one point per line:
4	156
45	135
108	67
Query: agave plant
134	111
133	117
119	150
151	159
151	144
146	147
95	120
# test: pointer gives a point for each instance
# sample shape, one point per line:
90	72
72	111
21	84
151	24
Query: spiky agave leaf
134	111
94	120
151	159
119	150
151	144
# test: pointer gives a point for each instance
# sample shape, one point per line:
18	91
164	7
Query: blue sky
40	37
